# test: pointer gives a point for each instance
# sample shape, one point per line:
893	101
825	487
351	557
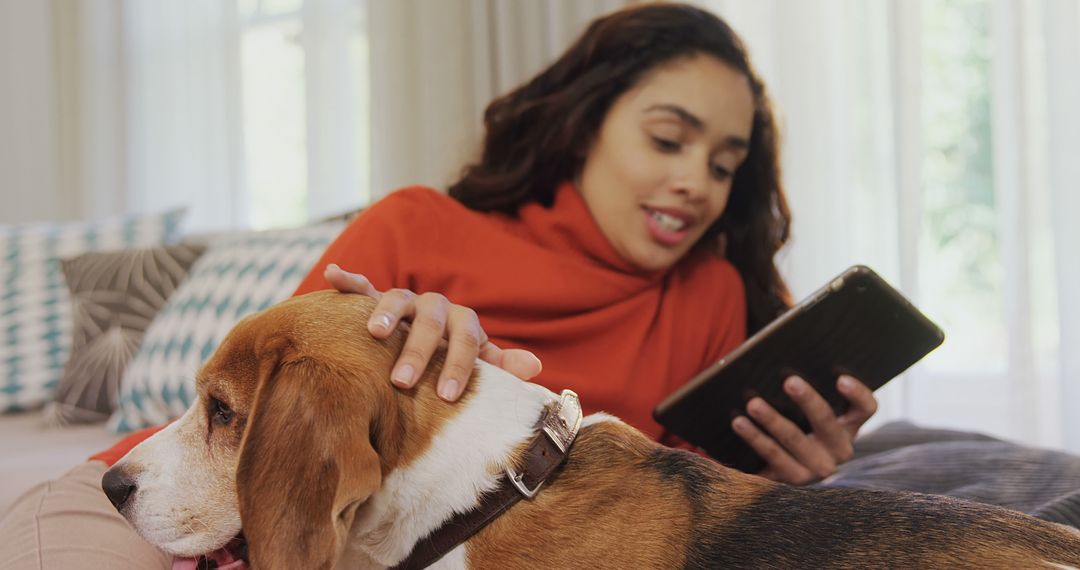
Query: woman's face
659	172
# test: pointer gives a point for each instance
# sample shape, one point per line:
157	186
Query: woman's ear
306	464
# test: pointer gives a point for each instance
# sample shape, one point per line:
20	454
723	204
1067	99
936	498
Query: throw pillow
115	296
35	307
238	275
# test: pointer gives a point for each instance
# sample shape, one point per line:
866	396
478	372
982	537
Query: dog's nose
118	486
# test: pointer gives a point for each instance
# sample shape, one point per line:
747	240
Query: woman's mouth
666	228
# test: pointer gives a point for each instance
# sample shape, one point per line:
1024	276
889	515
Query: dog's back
624	501
787	527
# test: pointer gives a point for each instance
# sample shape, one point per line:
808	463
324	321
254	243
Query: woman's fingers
347	282
804	449
433	318
387	312
794	456
863	403
468	342
465	339
428	313
828	430
517	361
781	465
393	306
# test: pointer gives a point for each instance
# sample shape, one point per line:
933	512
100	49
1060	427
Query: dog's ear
306	465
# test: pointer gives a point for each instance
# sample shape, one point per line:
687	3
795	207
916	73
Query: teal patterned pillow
35	305
238	275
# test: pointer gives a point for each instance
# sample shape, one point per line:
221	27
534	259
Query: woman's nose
692	181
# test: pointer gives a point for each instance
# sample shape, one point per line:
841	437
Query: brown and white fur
322	463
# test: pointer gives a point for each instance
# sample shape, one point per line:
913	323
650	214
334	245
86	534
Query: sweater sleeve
370	245
732	330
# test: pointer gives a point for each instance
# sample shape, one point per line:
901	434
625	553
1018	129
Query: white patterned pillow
35	305
238	275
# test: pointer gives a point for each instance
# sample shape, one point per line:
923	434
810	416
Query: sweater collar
568	227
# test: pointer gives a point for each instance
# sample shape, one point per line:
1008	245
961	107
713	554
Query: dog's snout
118	486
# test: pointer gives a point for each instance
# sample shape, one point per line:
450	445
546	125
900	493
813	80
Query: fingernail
448	390
403	376
756	406
381	322
796	386
847	383
740	424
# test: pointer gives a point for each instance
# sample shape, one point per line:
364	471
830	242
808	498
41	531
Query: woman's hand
433	318
798	458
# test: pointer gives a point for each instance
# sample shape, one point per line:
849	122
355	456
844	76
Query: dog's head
294	425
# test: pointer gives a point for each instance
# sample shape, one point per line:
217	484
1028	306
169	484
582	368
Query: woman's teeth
670	223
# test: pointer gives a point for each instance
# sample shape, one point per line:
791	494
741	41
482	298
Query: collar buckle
560	424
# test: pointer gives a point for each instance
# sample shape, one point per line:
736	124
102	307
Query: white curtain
119	107
142	103
183	128
337	166
1060	20
849	78
436	65
29	127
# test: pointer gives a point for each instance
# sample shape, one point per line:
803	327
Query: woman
657	121
620	224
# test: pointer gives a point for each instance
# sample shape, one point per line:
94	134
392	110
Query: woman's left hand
798	458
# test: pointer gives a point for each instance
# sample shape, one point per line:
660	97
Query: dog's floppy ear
306	464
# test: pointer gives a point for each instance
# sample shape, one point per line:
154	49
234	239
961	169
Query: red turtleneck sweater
549	281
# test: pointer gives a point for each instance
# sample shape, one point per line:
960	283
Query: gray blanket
902	456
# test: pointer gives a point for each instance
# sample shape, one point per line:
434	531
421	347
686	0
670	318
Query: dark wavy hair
538	135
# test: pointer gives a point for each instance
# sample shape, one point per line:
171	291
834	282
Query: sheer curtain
862	104
140	106
30	140
182	117
1060	20
436	65
192	137
119	107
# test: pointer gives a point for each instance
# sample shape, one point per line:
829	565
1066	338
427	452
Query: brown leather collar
556	429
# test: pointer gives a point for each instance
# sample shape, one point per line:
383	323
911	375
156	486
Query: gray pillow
115	295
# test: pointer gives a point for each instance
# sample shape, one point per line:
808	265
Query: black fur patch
790	527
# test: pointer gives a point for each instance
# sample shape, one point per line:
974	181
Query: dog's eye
219	412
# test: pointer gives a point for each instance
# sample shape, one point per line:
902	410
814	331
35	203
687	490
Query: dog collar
556	430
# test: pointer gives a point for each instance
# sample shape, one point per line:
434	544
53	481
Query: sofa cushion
115	296
238	275
35	307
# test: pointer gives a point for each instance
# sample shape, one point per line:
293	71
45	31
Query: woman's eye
666	145
219	412
720	173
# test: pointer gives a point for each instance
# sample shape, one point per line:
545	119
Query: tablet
857	324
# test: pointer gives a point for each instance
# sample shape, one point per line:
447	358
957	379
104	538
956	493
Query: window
960	265
305	111
985	250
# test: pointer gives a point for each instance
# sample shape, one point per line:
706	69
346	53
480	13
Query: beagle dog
299	453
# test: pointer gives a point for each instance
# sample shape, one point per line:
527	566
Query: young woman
619	226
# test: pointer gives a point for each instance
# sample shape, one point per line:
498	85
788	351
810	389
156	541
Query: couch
132	312
34	451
